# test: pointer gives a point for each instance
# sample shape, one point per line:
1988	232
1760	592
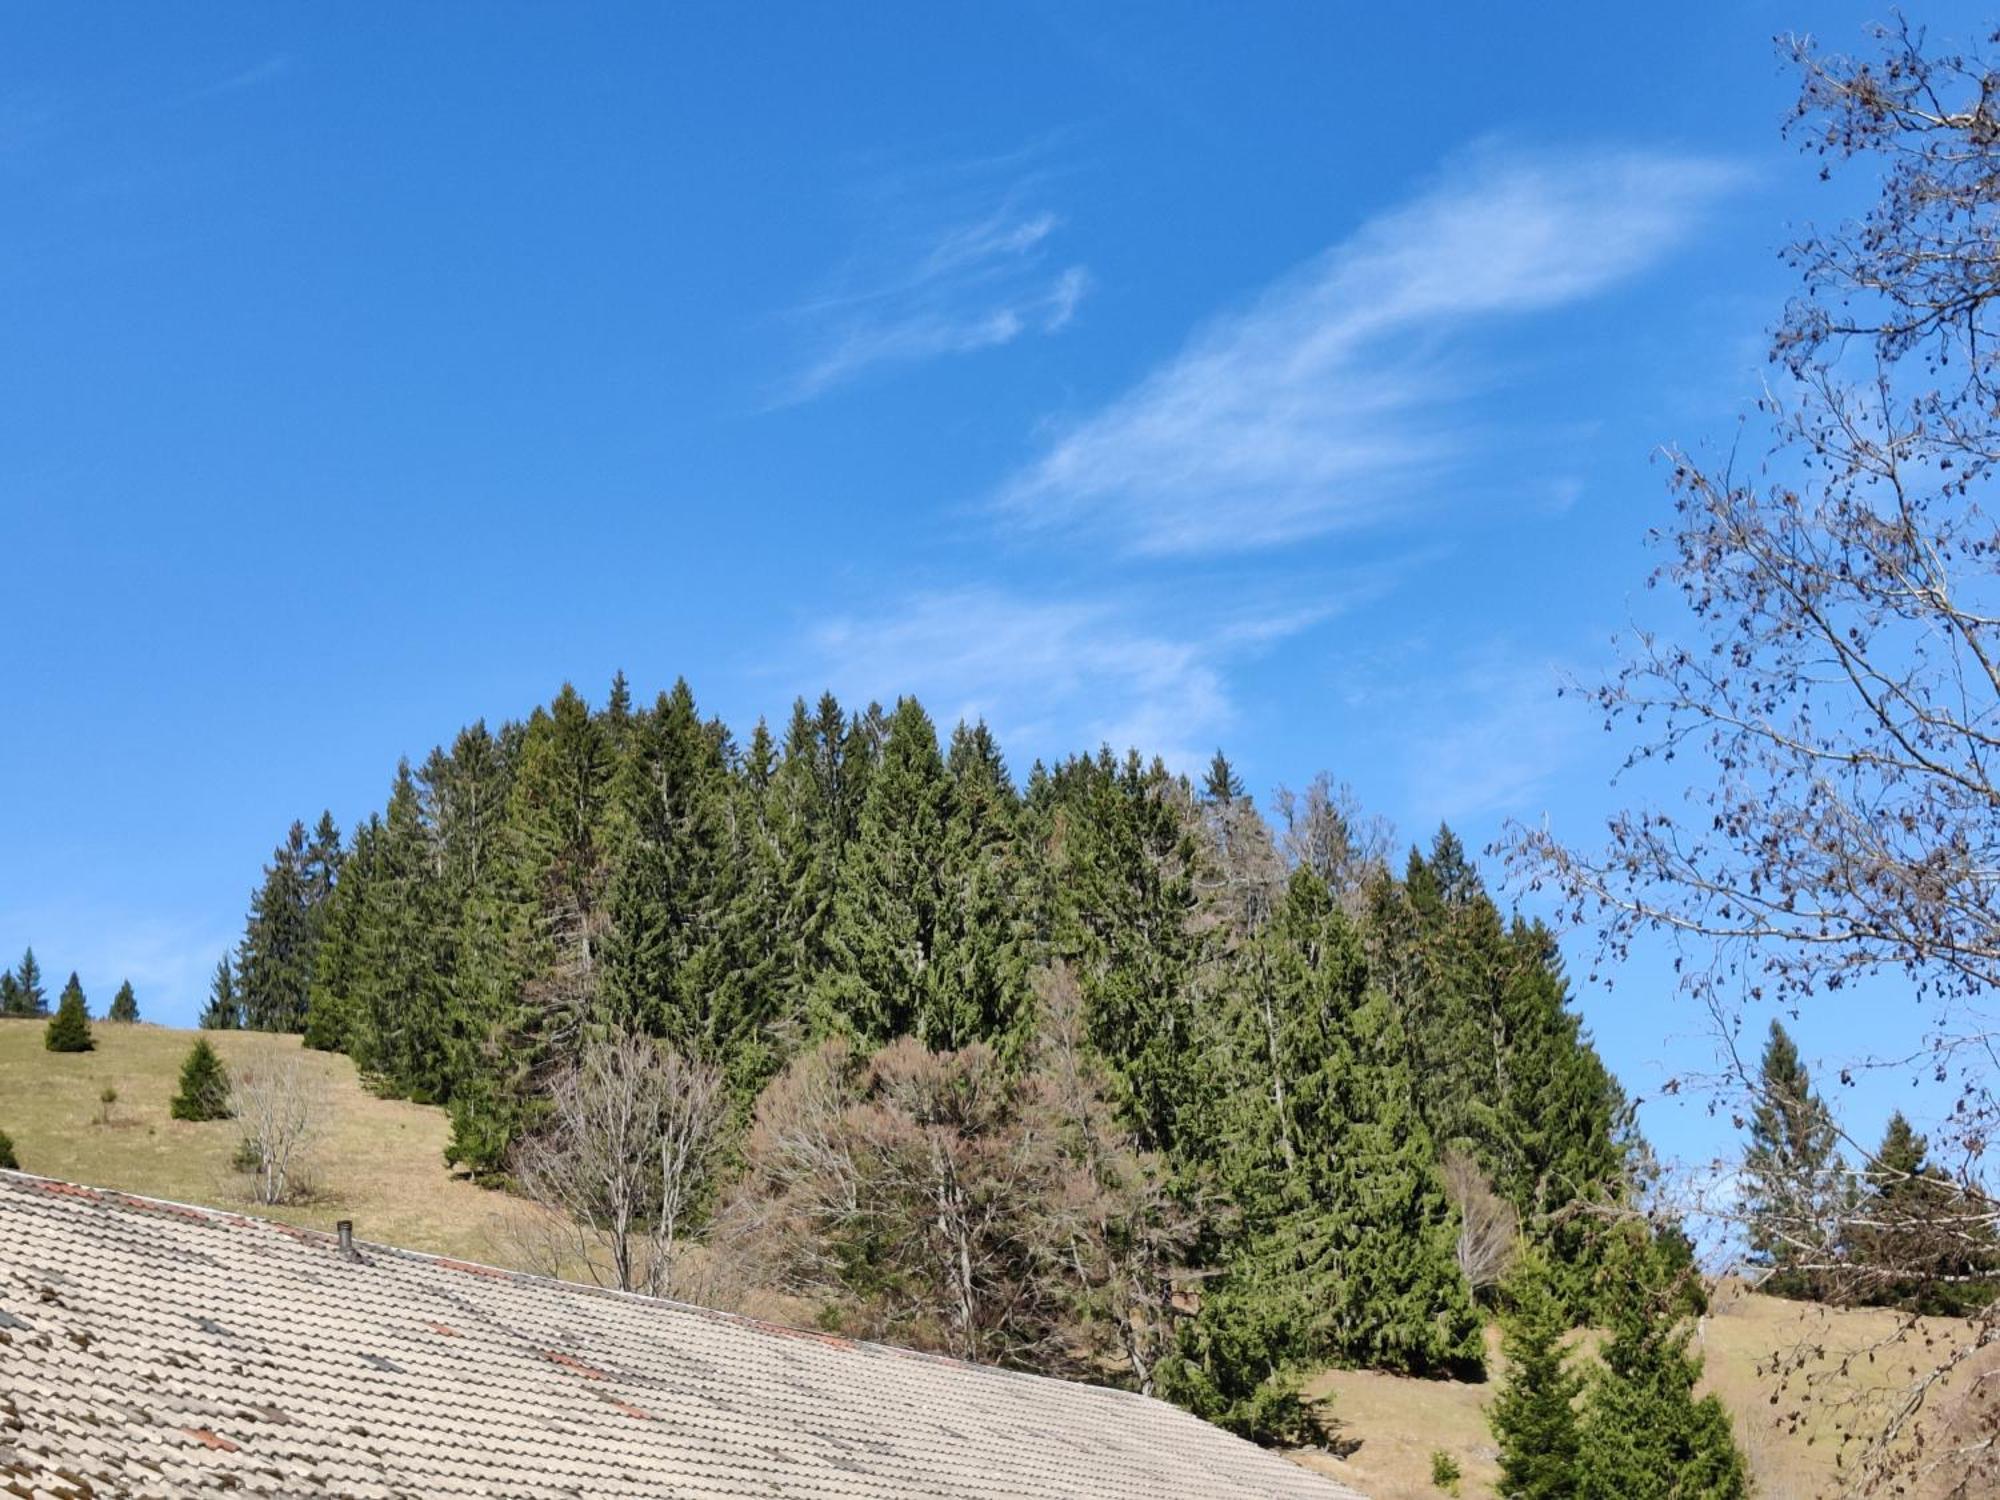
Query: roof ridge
233	1219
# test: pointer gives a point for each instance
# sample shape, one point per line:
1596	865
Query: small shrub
204	1091
8	1160
105	1100
1445	1472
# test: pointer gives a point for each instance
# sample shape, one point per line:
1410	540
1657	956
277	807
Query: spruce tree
275	971
124	1005
30	998
399	1027
1644	1434
1534	1418
69	1027
889	976
1121	897
204	1086
1344	1251
1794	1182
10	994
224	1011
1917	1240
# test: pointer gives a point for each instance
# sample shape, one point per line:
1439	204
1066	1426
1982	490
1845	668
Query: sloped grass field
380	1162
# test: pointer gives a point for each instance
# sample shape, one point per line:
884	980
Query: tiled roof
149	1348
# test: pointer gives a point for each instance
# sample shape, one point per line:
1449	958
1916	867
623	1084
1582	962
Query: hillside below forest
381	1163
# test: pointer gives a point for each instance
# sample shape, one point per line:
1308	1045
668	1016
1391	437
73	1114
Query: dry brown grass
381	1162
1794	1449
382	1165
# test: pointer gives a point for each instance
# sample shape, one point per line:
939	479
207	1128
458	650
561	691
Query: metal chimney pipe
345	1229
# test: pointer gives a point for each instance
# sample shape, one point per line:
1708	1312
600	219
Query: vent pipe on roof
345	1229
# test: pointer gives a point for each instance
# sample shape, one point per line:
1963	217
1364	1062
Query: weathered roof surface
149	1348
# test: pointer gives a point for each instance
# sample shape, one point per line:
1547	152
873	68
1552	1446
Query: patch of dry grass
380	1163
1794	1448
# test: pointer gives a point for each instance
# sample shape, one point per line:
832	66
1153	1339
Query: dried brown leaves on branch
1834	708
945	1201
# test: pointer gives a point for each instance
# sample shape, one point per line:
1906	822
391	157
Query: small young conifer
204	1090
124	1005
69	1027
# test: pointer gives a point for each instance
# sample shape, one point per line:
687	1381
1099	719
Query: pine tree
124	1005
30	999
1794	1182
1222	784
224	1011
274	971
1644	1435
1534	1418
1120	895
69	1027
890	976
668	970
1917	1240
1344	1250
204	1086
399	1024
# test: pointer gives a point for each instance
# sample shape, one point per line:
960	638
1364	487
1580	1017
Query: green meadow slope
381	1164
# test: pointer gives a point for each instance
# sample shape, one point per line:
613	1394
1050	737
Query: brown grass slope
382	1165
381	1162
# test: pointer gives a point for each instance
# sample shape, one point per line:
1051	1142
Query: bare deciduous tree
1327	831
282	1106
946	1201
1488	1227
1838	702
622	1164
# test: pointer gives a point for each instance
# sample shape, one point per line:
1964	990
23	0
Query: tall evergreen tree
1918	1240
1345	1246
1795	1186
69	1027
1123	863
11	1003
224	1011
1534	1418
29	997
124	1005
399	1017
918	935
1644	1433
274	969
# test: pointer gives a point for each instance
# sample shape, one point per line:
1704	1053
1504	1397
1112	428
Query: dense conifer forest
1222	1101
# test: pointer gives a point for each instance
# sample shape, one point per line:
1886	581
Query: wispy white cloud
953	261
1053	674
256	75
1338	394
1487	734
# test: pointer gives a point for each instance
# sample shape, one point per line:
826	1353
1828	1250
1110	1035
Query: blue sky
1281	377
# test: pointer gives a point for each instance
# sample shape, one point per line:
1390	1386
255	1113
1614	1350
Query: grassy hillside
380	1164
1398	1422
